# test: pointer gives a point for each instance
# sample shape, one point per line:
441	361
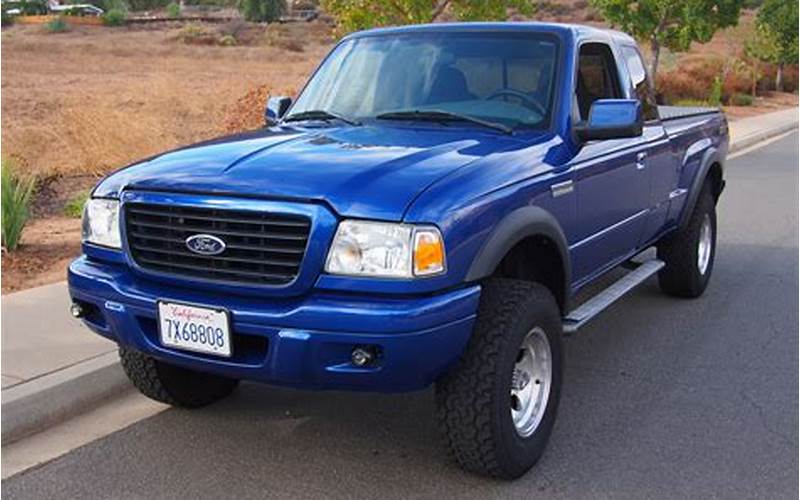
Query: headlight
386	250
101	223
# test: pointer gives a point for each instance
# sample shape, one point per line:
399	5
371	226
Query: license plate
192	328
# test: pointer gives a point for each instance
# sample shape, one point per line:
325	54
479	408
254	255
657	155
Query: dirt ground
80	104
93	99
771	101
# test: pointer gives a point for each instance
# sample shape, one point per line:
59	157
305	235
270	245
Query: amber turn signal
428	252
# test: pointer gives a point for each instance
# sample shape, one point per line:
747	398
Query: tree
674	24
779	18
261	11
760	46
355	15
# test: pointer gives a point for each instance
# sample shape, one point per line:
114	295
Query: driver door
611	181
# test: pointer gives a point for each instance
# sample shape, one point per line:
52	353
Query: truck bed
668	113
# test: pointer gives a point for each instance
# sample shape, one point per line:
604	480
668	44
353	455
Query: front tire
171	384
498	405
689	253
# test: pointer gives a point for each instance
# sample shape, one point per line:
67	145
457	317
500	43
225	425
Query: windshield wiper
440	115
319	114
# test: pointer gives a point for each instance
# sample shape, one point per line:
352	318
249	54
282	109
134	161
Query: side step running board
597	304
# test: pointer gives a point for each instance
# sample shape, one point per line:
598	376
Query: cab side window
641	83
597	77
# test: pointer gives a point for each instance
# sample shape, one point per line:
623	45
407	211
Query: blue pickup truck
425	212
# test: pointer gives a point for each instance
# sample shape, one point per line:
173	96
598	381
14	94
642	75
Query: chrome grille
265	249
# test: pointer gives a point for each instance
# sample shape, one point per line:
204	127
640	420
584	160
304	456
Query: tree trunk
655	51
439	9
779	78
754	87
655	46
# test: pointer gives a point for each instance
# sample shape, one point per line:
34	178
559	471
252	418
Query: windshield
505	78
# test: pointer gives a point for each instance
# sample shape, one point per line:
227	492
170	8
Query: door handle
640	161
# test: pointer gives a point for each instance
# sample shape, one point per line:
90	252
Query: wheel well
536	258
715	178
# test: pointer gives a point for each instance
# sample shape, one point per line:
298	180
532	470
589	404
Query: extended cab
424	212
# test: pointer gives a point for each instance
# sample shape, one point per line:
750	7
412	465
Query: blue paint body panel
624	194
308	339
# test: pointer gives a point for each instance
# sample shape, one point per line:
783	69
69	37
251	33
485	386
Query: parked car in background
42	7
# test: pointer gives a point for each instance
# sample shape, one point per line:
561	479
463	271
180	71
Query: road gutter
758	136
42	402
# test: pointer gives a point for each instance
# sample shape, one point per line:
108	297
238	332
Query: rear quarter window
641	83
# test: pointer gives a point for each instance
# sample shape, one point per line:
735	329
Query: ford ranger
424	212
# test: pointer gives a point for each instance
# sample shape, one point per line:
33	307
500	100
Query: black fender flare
513	228
710	157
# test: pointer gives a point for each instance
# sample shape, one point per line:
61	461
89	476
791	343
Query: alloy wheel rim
704	245
530	382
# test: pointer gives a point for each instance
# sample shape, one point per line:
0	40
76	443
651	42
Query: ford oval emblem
205	244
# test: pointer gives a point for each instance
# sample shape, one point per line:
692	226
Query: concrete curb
45	401
762	135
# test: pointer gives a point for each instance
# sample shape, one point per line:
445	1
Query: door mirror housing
612	119
276	108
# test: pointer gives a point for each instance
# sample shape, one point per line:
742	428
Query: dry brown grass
97	98
94	99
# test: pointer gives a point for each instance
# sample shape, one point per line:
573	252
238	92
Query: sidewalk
39	336
54	368
746	132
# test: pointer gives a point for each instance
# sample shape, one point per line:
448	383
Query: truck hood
368	171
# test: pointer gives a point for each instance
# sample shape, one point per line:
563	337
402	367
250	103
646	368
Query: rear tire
689	253
171	384
498	405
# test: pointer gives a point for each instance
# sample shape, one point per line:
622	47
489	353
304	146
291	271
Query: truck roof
579	30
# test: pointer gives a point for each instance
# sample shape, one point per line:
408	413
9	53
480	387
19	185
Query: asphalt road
663	398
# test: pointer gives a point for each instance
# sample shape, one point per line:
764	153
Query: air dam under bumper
301	342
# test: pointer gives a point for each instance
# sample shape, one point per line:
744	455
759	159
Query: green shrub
741	100
108	5
115	17
715	96
56	25
197	34
17	194
147	4
691	103
74	207
227	40
173	10
6	19
212	4
261	11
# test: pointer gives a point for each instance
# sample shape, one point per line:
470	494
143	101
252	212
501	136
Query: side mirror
276	108
612	119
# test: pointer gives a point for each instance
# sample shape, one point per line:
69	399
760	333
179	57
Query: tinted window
640	82
506	78
597	77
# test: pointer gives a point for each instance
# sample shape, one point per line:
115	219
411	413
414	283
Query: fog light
361	356
76	310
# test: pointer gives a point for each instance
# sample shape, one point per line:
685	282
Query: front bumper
301	342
